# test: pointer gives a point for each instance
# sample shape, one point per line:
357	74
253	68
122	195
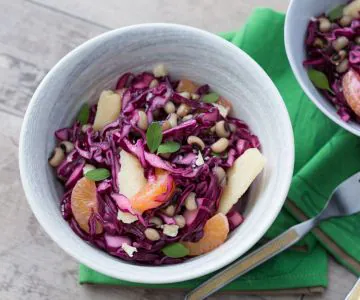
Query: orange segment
351	87
155	193
186	85
84	203
216	230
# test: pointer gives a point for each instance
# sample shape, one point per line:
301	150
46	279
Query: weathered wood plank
215	15
32	40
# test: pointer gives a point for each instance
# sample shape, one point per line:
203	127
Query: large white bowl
297	19
188	52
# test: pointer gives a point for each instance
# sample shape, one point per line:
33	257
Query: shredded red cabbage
101	150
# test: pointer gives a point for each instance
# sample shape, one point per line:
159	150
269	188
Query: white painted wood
212	15
32	38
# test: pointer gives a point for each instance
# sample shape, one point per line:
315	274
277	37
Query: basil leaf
223	155
97	174
319	79
83	115
153	136
210	98
168	147
175	250
336	13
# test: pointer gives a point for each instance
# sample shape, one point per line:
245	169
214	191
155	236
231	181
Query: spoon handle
355	292
249	262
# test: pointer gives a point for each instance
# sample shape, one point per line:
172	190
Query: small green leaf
154	136
97	174
319	79
175	250
224	155
83	115
168	147
336	13
210	98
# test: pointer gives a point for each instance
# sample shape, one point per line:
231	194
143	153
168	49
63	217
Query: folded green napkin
325	155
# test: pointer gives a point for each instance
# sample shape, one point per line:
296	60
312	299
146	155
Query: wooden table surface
34	35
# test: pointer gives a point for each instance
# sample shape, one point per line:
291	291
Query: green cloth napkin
325	155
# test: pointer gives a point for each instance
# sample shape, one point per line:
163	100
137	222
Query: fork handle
244	265
355	292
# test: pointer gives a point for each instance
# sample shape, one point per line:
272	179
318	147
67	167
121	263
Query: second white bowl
297	19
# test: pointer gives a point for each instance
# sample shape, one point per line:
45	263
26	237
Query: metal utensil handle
355	292
244	265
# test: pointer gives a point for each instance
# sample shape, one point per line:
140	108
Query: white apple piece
240	176
131	175
108	109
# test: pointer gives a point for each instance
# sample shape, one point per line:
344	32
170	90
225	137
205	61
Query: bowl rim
180	276
291	57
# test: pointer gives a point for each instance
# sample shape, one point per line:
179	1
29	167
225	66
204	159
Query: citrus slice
216	230
154	193
84	203
351	87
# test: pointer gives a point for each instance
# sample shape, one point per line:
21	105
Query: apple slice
351	88
239	177
131	177
108	109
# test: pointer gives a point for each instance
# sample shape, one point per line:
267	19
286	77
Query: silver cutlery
354	294
344	201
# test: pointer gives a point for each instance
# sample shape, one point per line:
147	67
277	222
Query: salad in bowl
333	57
153	172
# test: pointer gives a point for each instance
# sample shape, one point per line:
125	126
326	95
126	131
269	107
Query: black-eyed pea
152	234
165	125
172	119
169	210
183	110
190	202
220	145
220	174
340	43
143	120
153	83
67	146
222	129
156	221
169	107
196	141
56	157
180	221
324	25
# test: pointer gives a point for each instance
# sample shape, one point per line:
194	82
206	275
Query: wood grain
34	35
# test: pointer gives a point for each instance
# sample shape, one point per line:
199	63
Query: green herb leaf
319	79
223	155
97	174
210	98
83	115
175	250
336	13
154	136
168	147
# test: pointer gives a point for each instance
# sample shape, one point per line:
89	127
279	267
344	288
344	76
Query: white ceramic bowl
297	19
187	52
